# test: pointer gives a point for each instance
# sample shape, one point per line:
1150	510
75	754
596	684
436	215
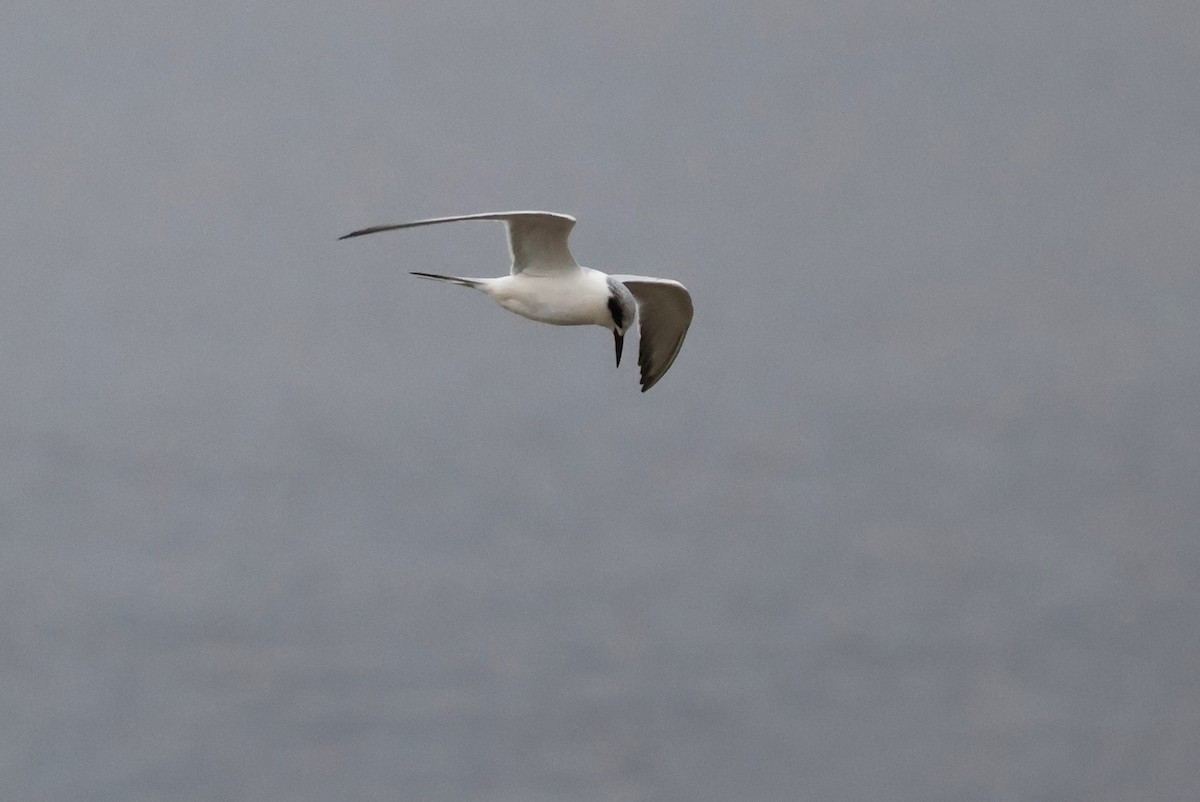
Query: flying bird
545	283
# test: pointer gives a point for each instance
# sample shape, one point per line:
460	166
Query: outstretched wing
537	240
664	314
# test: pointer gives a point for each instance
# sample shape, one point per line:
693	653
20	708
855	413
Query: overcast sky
913	516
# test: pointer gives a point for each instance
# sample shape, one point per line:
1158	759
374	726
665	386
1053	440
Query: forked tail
462	282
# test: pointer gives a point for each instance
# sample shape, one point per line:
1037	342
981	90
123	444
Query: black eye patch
614	307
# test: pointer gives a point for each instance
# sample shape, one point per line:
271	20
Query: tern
546	284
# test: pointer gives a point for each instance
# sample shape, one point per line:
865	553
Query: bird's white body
568	298
546	284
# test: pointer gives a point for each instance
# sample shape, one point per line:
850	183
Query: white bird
546	284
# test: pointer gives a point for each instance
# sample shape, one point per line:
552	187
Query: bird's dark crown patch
614	307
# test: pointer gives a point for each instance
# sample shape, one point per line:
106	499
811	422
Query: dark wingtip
370	230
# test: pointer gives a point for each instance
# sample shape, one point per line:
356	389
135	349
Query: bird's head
622	310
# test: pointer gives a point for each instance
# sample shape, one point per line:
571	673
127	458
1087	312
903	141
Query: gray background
913	517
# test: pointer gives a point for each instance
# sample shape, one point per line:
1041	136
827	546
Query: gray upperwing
664	315
537	241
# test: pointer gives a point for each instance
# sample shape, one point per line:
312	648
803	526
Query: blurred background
914	516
